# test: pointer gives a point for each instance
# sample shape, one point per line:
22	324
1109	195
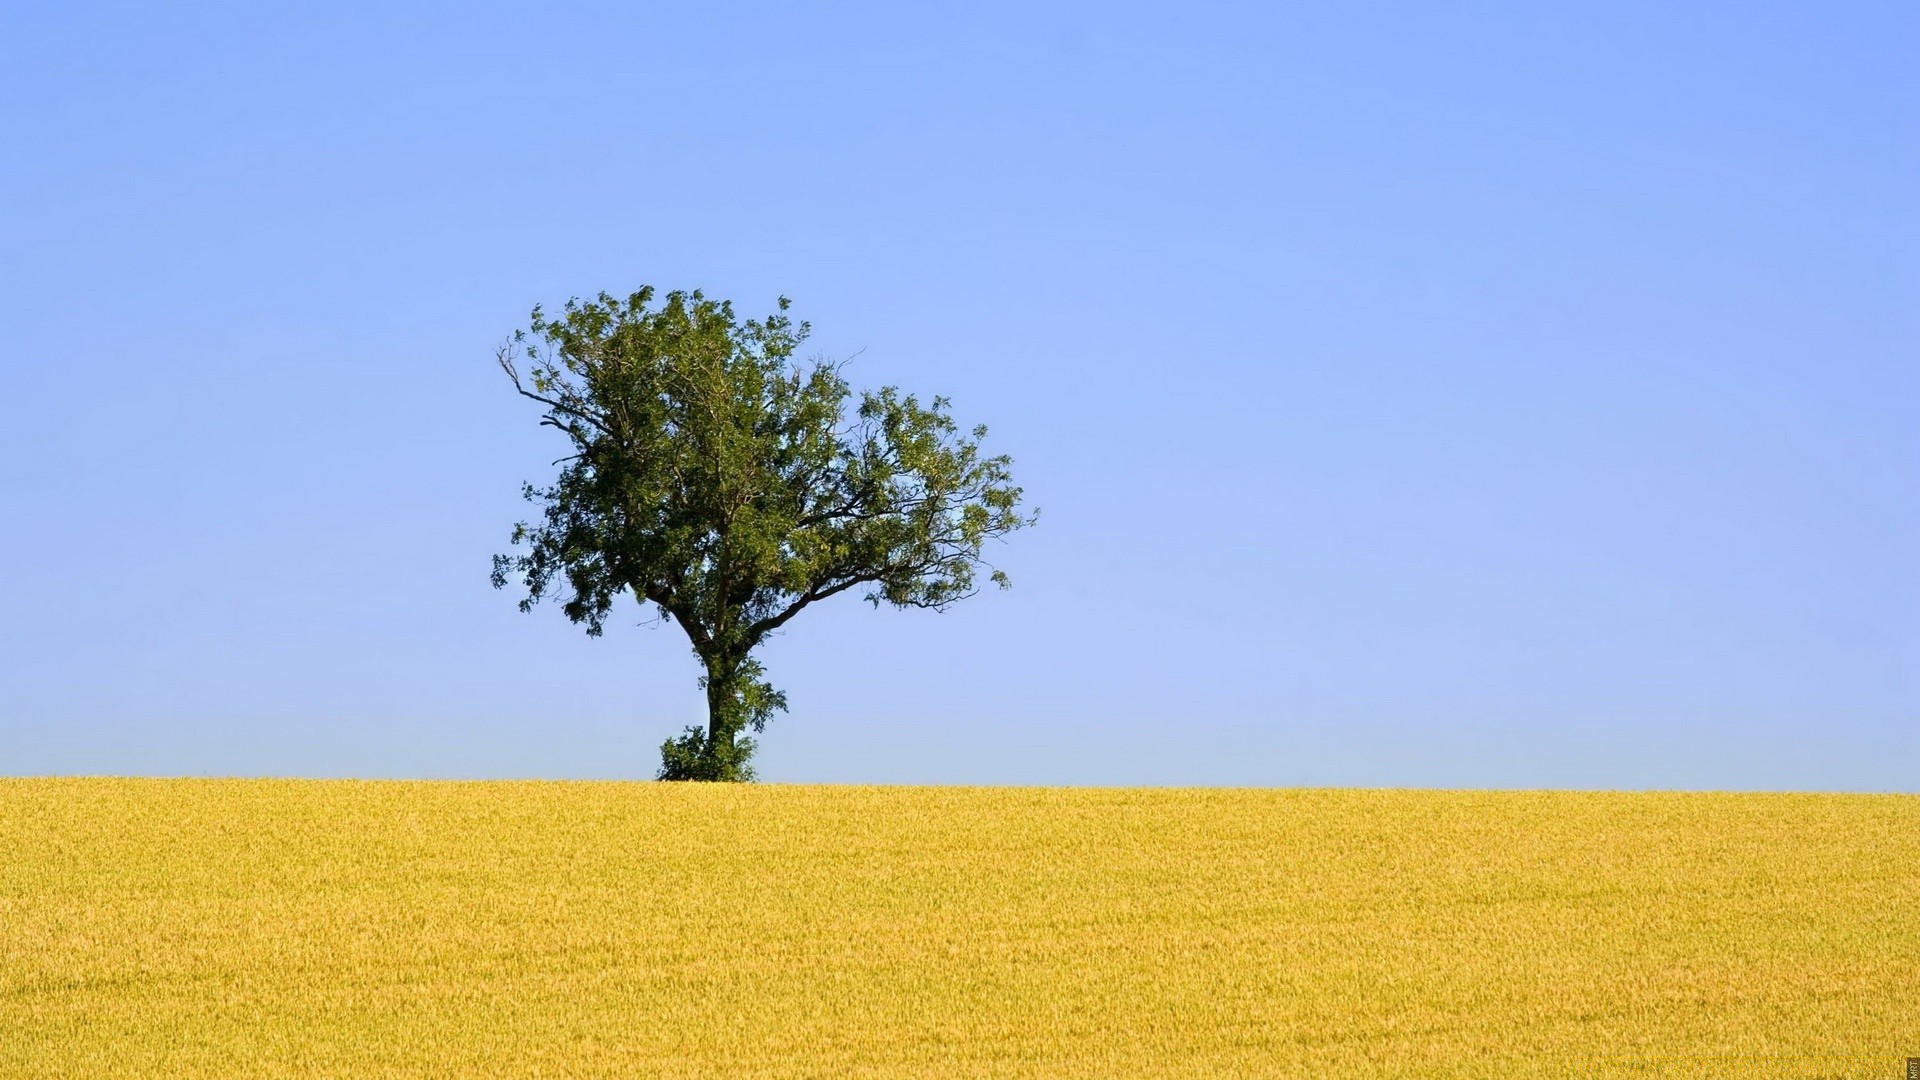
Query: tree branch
505	359
771	623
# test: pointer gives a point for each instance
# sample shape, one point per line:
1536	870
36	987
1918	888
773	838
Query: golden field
336	928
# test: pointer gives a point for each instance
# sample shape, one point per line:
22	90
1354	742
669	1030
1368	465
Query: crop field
333	928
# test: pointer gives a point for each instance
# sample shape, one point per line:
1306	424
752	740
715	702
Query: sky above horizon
1464	396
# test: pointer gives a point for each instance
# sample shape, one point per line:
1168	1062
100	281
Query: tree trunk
721	723
736	698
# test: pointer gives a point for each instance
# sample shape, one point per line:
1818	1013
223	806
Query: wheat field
345	928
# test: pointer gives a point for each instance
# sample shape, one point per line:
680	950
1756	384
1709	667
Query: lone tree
724	484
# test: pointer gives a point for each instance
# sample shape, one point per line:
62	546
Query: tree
724	485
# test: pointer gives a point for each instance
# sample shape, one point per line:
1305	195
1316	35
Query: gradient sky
1458	395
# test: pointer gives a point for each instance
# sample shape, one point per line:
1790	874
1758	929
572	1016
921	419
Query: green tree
725	485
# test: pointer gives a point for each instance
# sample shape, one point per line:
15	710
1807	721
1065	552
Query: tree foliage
729	487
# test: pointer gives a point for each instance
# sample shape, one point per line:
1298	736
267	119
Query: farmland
271	928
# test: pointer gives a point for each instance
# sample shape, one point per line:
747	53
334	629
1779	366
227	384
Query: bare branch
765	626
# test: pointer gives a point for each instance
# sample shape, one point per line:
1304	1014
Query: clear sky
1461	395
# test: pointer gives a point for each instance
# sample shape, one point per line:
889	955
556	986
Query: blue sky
1451	395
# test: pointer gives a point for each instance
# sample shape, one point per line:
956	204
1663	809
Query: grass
274	928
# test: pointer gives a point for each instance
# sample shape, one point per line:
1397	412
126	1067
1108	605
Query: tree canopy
727	486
